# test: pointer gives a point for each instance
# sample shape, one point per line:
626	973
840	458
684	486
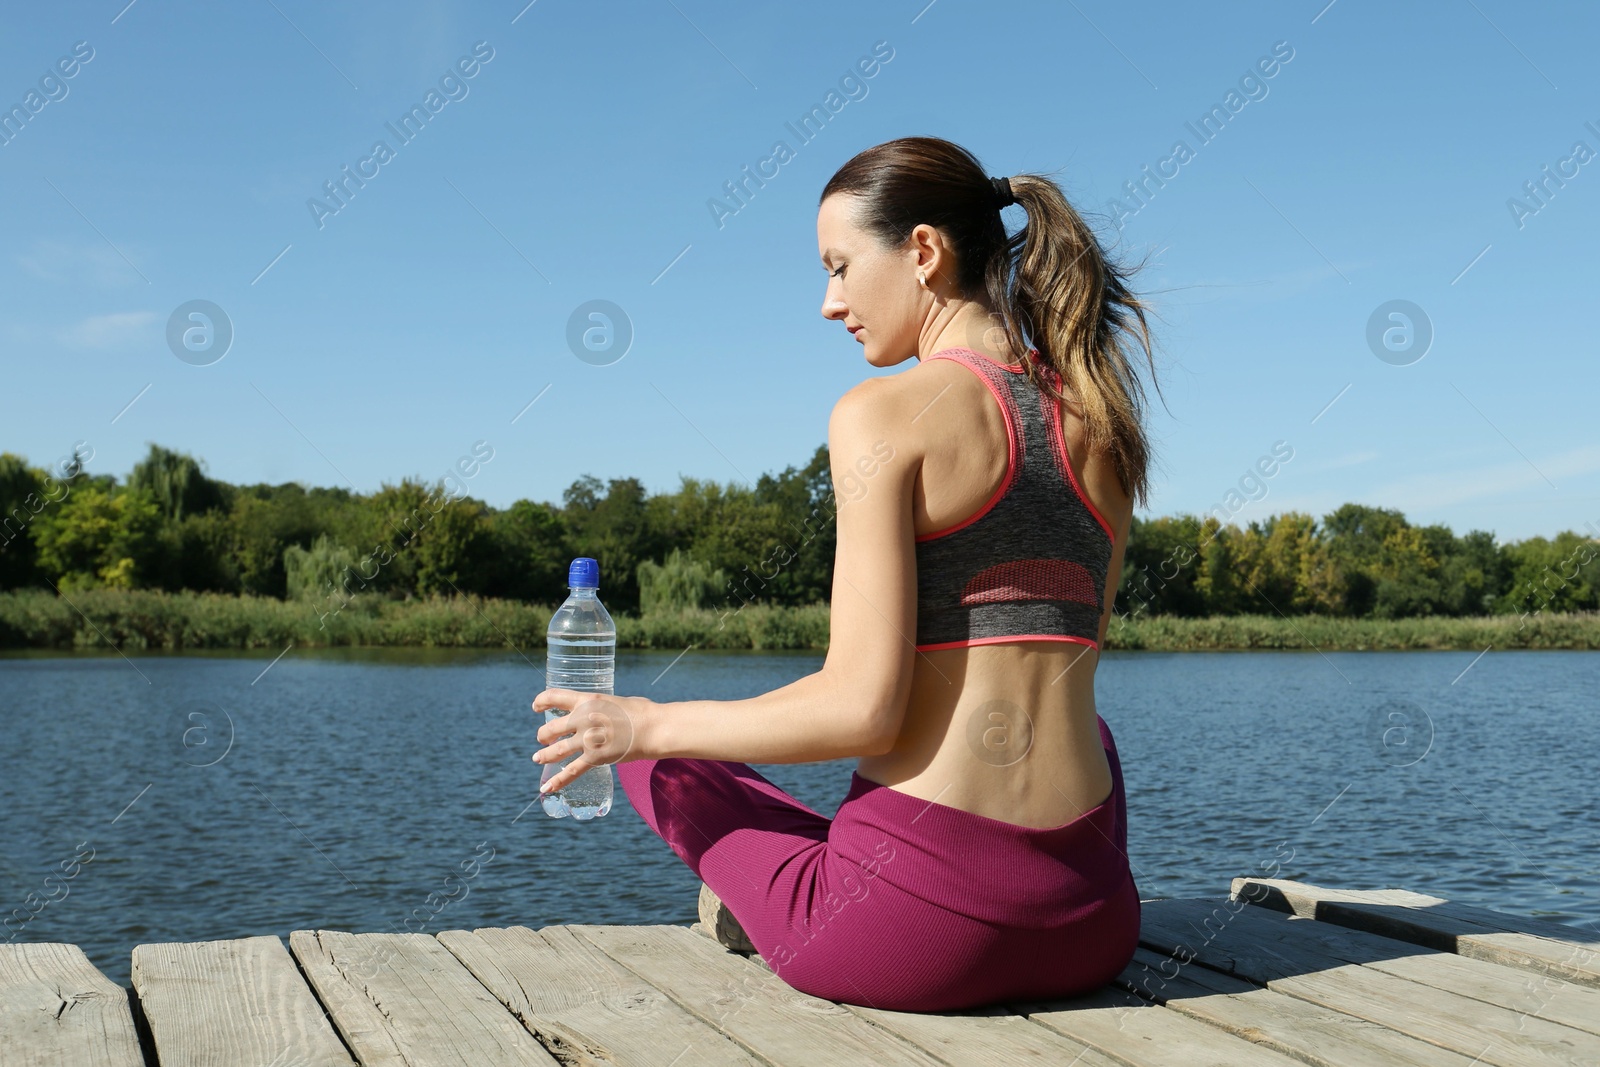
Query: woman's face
873	292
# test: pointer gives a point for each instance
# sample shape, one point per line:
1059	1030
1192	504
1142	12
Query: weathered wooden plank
986	1036
1320	1036
405	1000
1244	941
1291	955
584	1006
1435	914
1500	1036
1562	952
1000	1034
237	1003
1547	996
749	1003
56	1008
1141	1034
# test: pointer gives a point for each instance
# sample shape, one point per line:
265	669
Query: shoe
718	923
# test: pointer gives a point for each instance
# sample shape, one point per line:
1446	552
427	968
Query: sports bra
1031	563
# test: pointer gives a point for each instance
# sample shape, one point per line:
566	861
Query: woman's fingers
566	774
599	726
558	698
558	750
553	729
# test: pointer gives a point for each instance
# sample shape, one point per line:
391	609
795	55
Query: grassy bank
177	621
1165	633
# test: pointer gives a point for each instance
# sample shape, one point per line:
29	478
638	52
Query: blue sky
576	164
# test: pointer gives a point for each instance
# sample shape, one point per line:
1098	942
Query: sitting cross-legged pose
984	497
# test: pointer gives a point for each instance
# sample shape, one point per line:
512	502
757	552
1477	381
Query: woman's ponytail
1055	286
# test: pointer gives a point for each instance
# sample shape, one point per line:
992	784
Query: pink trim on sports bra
1013	436
1009	637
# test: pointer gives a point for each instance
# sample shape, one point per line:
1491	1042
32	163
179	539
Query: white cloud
1473	483
120	329
73	263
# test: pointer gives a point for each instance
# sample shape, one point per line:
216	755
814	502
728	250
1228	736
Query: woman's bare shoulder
905	396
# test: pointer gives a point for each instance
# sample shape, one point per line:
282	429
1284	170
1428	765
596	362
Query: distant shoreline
143	620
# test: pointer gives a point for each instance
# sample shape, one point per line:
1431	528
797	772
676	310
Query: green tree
205	560
528	554
1319	582
774	543
750	544
1356	535
1272	571
177	483
1161	566
814	530
450	553
615	531
1472	573
23	495
1562	574
426	541
96	538
263	521
678	582
323	570
1407	576
805	533
1219	579
397	517
1288	567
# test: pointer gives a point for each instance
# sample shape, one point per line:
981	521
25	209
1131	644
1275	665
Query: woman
980	854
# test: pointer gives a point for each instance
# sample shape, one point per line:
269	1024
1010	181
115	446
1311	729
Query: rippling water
196	797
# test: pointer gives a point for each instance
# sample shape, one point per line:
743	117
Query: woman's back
997	723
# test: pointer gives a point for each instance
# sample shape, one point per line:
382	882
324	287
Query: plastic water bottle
581	653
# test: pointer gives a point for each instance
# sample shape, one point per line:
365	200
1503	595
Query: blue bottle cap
584	572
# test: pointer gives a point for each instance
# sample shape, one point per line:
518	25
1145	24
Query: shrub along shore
132	620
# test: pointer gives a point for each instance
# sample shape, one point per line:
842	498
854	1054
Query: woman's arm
809	720
853	706
813	719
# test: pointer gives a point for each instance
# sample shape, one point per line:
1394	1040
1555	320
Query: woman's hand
605	729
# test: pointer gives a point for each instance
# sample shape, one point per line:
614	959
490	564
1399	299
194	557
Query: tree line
170	526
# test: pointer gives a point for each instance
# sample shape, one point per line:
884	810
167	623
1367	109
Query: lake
186	798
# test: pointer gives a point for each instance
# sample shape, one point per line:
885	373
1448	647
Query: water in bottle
581	650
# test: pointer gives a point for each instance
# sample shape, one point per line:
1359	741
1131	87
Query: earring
922	280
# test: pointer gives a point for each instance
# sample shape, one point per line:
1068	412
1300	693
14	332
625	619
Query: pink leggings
898	902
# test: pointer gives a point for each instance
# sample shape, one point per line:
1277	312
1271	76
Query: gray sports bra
1031	563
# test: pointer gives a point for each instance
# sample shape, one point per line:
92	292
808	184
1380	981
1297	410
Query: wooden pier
1276	972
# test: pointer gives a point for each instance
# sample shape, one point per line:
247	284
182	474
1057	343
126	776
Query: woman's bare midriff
1005	730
